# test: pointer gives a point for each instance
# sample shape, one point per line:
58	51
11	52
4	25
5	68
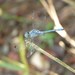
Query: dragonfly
34	33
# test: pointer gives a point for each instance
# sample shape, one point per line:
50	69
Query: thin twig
50	56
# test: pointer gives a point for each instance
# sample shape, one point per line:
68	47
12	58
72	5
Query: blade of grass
13	62
22	53
10	66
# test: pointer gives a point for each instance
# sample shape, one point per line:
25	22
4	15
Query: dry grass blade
52	13
71	2
49	55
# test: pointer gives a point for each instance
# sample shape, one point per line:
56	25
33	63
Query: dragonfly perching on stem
34	33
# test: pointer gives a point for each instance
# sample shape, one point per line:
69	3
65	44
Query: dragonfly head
26	35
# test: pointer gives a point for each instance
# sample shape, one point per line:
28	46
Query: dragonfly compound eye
26	35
